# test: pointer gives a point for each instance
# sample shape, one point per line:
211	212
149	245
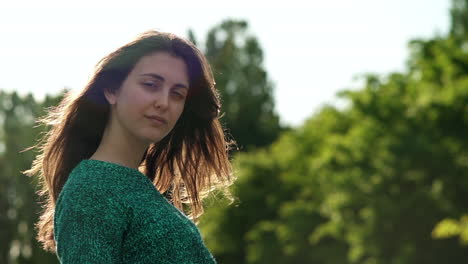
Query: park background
377	175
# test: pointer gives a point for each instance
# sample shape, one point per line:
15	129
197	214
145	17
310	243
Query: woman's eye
179	94
151	85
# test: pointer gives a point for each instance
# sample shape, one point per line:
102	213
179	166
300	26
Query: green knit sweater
109	213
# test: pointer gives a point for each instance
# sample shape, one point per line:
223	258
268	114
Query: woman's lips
157	120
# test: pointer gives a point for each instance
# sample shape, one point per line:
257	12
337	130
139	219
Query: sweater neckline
113	164
117	166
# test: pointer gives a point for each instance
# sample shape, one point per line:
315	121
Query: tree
247	93
18	205
366	184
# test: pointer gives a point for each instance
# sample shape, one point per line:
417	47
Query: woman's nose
161	99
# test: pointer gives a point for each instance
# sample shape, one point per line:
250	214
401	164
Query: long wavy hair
191	161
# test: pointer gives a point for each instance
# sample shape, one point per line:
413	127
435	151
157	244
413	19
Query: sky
312	49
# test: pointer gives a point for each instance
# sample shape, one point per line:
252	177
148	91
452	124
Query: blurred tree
19	208
459	19
366	184
247	94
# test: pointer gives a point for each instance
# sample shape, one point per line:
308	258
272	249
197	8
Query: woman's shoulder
95	179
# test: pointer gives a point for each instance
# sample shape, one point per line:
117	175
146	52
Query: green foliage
19	207
366	184
451	227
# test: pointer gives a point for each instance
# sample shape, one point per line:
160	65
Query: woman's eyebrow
159	77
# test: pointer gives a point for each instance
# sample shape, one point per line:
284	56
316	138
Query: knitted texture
109	213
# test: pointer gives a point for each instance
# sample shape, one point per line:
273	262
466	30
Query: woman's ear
110	96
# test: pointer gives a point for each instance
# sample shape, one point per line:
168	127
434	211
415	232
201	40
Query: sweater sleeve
89	227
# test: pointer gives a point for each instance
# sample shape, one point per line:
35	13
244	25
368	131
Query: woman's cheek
140	98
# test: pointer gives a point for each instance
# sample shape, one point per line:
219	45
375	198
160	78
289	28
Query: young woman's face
151	98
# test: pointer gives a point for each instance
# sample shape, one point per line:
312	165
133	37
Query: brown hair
185	165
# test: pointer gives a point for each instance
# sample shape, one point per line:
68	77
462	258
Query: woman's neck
119	149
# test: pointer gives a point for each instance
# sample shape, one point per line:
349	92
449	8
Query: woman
125	154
